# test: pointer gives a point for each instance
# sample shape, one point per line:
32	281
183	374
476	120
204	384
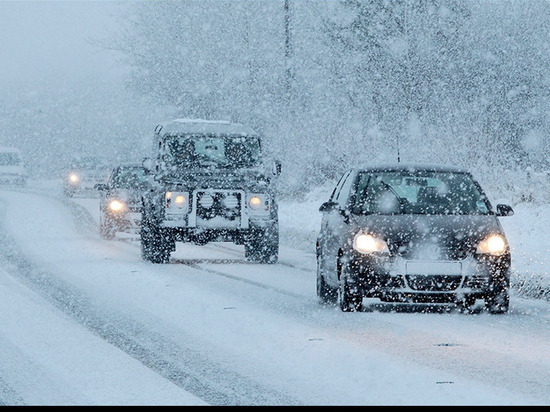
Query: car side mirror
328	206
147	164
504	210
101	187
276	168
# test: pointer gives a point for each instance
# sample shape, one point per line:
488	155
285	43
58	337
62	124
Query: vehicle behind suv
210	184
120	200
12	168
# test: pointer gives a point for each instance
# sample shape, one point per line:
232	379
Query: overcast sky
45	39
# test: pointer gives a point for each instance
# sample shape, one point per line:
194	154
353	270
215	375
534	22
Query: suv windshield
425	193
219	151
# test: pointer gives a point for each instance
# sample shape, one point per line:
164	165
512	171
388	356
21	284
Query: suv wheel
155	247
262	245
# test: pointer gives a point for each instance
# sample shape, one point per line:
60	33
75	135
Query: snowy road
85	321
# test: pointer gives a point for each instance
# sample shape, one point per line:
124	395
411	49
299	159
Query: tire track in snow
181	364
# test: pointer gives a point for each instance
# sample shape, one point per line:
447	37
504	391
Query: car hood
220	178
420	234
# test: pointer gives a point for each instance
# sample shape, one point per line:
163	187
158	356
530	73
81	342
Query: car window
425	192
128	178
343	196
336	191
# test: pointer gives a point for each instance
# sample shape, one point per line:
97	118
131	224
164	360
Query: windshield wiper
399	198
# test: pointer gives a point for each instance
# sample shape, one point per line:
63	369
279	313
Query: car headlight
495	245
116	205
367	243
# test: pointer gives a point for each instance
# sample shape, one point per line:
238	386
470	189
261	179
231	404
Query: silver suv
210	184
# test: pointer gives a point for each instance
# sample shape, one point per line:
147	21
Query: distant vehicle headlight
367	243
73	178
116	205
495	245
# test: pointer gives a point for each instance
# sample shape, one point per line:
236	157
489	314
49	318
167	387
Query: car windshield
218	151
88	163
425	193
9	159
129	177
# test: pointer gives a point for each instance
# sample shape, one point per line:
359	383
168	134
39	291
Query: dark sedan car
414	234
120	200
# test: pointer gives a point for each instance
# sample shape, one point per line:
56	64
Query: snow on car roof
414	167
193	126
9	149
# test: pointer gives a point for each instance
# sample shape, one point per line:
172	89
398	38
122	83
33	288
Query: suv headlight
367	243
258	204
176	202
495	245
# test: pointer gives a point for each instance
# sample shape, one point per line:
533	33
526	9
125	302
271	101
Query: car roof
5	149
202	126
412	167
129	164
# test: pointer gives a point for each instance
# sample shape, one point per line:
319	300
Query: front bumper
402	280
226	212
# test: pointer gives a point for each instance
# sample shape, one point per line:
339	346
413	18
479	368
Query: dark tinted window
420	192
129	177
220	151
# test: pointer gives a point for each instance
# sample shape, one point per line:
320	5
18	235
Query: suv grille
224	204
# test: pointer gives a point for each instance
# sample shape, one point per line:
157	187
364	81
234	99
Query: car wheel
498	302
348	297
262	245
107	229
325	293
466	304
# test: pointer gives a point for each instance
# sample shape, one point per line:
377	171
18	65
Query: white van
12	168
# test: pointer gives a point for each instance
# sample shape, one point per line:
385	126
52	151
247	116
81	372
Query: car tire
325	293
107	230
348	297
498	302
262	245
466	304
155	247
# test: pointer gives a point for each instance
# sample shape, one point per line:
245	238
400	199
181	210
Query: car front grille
434	283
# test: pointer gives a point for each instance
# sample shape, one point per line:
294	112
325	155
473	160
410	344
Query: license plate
433	268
